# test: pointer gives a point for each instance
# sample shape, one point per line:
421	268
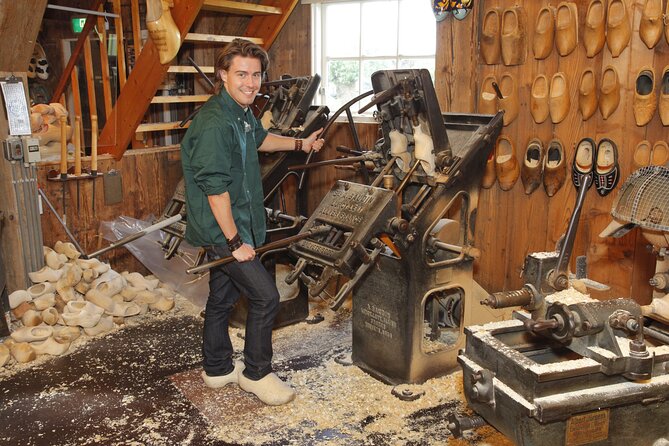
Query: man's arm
278	143
222	210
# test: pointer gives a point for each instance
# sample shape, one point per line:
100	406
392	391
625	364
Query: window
353	39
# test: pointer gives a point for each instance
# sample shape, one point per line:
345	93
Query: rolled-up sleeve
211	160
259	133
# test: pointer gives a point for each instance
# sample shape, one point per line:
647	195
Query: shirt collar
232	105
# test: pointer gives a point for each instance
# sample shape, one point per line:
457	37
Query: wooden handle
77	145
94	144
63	146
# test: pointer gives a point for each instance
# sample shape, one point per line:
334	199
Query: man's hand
244	253
312	142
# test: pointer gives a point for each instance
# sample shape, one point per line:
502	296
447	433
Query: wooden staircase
139	91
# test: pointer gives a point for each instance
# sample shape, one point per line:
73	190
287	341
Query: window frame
320	61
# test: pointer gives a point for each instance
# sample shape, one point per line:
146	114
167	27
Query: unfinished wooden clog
44	301
50	316
45	274
105	324
4	355
66	334
18	297
141	282
31	318
424	150
31	334
53	259
40	289
68	249
50	347
22	352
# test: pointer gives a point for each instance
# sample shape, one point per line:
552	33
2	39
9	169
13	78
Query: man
226	215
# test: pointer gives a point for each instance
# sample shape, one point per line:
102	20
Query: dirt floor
141	385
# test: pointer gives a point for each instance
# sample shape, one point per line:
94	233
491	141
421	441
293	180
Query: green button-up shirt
219	154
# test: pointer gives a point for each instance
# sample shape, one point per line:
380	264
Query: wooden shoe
216	382
423	150
533	166
607	171
660	154
491	46
645	99
41	63
398	149
67	249
651	26
18	297
19	311
40	288
594	32
514	36
559	102
4	354
44	301
270	389
666	27
50	347
82	314
618	29
53	259
539	99
66	334
587	94
104	325
162	29
566	28
641	155
488	101
664	96
609	95
509	101
555	167
50	316
31	318
489	175
506	163
45	274
584	162
31	334
141	282
22	352
544	33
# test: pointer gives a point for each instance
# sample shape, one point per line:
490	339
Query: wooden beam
216	38
136	28
104	65
90	79
232	7
65	75
142	85
189	69
180	99
19	22
268	27
160	126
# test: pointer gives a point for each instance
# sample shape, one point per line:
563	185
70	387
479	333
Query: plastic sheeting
148	250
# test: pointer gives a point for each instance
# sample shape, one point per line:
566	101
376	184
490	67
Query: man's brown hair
238	47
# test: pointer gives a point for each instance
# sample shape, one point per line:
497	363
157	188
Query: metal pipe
385	171
268	247
83	11
406	179
133	237
39	234
60	220
33	219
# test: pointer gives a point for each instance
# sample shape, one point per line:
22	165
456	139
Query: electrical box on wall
13	148
31	150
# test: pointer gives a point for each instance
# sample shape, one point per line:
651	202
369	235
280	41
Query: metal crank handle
348	286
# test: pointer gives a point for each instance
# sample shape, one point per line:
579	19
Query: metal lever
558	278
268	247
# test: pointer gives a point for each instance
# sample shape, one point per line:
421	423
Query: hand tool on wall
63	162
77	153
94	156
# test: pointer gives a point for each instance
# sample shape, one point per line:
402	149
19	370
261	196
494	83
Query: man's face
242	79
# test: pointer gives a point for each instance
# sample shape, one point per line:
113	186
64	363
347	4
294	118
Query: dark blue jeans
226	283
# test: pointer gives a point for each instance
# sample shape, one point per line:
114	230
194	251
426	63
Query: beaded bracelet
298	144
235	243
